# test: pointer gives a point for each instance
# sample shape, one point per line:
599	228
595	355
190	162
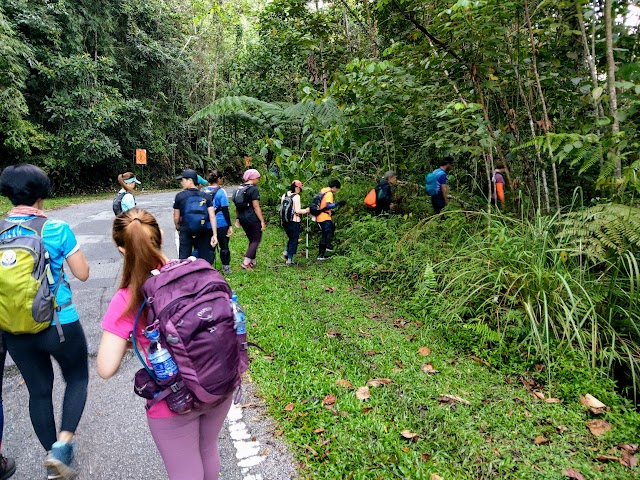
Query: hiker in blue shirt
220	203
27	186
437	187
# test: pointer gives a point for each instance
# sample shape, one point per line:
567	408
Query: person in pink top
187	443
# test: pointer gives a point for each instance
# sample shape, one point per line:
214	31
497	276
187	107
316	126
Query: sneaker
59	461
226	270
329	249
246	266
291	264
254	262
284	256
7	467
322	257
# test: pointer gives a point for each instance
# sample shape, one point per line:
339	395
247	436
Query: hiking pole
307	240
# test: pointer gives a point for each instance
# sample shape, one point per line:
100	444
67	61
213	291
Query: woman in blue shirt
27	186
223	221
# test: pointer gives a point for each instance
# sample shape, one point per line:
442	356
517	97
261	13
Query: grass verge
327	339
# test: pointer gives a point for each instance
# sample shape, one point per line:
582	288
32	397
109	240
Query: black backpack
314	207
286	208
117	203
239	197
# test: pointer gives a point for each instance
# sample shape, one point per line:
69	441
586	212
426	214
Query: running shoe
7	467
59	461
322	257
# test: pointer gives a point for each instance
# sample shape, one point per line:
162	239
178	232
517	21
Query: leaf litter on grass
385	345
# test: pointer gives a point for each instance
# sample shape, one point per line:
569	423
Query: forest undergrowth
396	358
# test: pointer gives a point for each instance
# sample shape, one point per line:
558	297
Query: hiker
63	338
384	192
324	216
7	464
497	186
249	215
124	200
188	443
290	211
223	220
437	187
194	218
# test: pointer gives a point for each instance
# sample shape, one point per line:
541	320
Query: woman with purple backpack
188	443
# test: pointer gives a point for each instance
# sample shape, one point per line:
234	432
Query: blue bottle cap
153	334
234	296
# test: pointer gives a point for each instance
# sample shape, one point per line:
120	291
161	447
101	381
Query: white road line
247	450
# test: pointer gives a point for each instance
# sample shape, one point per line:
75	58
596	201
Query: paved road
113	441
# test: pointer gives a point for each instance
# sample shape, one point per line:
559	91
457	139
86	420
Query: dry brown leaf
595	406
366	410
453	399
304	286
344	383
552	400
539	395
572	473
371	352
409	435
424	351
264	452
333	334
479	360
311	450
378	382
330	289
268	357
598	427
289	407
400	364
527	413
629	447
540	440
406	449
363	393
607	458
628	460
425	457
428	368
561	428
318	430
329	399
435	476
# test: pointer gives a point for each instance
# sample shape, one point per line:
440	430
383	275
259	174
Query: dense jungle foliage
348	89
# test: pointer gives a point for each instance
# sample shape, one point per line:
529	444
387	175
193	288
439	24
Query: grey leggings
188	443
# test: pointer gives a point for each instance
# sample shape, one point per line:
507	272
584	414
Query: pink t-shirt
122	325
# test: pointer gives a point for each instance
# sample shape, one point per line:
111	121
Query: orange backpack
370	199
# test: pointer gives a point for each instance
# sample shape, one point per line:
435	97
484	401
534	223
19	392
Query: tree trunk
545	121
589	60
611	80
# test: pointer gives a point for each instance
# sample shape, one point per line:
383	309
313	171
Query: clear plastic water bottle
238	312
164	366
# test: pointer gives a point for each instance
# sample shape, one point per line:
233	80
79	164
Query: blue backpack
196	215
432	186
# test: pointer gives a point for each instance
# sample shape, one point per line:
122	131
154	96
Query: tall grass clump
508	287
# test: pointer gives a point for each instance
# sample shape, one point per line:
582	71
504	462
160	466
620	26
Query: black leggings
223	244
254	234
32	354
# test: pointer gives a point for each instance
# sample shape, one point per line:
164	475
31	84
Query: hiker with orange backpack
379	198
185	413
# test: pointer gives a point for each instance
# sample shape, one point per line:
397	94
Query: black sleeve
253	194
225	213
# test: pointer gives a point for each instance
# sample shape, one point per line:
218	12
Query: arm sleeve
69	244
225	214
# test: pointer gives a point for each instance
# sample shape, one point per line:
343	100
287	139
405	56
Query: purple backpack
190	301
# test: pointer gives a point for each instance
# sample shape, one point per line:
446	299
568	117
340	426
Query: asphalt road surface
113	441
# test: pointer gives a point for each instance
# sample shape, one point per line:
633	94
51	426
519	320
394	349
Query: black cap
188	174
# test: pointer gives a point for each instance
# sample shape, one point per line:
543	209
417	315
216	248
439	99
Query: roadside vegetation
425	349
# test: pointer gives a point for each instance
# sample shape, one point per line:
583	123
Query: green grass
318	328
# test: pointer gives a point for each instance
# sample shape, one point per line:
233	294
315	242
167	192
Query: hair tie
136	218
